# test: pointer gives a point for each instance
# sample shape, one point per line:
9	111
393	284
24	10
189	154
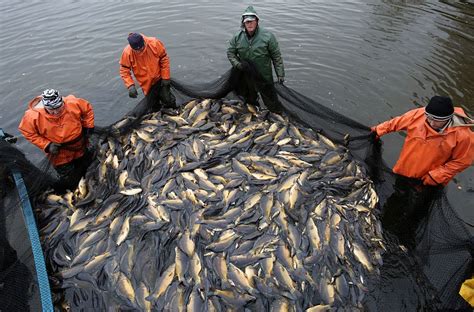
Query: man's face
140	50
55	111
250	26
436	124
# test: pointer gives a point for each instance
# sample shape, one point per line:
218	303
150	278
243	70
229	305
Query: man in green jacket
260	47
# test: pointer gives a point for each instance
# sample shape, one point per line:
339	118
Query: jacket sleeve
87	113
232	52
462	157
164	60
27	127
125	69
275	55
396	124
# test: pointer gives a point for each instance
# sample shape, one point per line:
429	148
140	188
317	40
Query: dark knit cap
440	108
136	41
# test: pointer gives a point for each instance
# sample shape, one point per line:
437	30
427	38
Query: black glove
243	66
53	148
281	80
132	92
114	131
87	132
165	83
374	136
9	138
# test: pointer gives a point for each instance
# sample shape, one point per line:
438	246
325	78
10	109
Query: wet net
222	204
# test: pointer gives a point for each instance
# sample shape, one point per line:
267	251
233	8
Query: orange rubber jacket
148	66
41	128
426	152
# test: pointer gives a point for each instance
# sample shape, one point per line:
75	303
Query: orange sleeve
126	67
28	128
396	124
462	157
87	113
163	59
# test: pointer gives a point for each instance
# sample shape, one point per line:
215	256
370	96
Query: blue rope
42	275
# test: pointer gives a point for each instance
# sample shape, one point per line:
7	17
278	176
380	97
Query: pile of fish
216	206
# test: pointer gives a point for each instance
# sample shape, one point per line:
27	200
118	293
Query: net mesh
429	258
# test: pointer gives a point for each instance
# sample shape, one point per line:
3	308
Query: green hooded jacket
262	49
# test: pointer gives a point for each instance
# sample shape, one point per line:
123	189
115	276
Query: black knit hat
136	41
440	108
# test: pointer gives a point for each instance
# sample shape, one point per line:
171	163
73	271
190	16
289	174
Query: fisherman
256	45
61	127
439	144
146	57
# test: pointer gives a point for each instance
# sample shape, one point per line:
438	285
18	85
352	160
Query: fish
124	231
162	283
186	244
131	192
216	205
125	288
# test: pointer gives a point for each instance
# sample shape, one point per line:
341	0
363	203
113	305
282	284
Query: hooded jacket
441	155
148	66
41	128
262	49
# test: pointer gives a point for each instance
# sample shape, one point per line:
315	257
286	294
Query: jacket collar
37	106
462	121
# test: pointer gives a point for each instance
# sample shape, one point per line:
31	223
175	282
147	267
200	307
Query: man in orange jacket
146	57
439	144
61	128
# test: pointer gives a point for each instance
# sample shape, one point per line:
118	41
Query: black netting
18	290
427	248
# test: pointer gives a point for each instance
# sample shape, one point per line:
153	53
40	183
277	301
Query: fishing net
103	244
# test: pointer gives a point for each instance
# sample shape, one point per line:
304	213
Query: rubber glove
132	91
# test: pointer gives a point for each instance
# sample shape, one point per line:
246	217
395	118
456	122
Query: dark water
371	60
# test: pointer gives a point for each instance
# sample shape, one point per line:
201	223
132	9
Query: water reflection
455	53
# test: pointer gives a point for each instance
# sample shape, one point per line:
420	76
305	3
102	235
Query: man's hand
114	131
428	180
374	135
132	91
165	83
9	138
53	148
281	80
87	132
243	66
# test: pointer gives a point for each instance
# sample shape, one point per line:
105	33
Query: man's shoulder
31	114
127	50
238	34
266	35
73	100
70	97
415	113
265	32
149	38
153	41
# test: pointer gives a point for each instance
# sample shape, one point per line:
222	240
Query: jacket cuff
46	148
433	177
87	131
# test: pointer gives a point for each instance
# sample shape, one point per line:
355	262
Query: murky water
371	60
368	59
